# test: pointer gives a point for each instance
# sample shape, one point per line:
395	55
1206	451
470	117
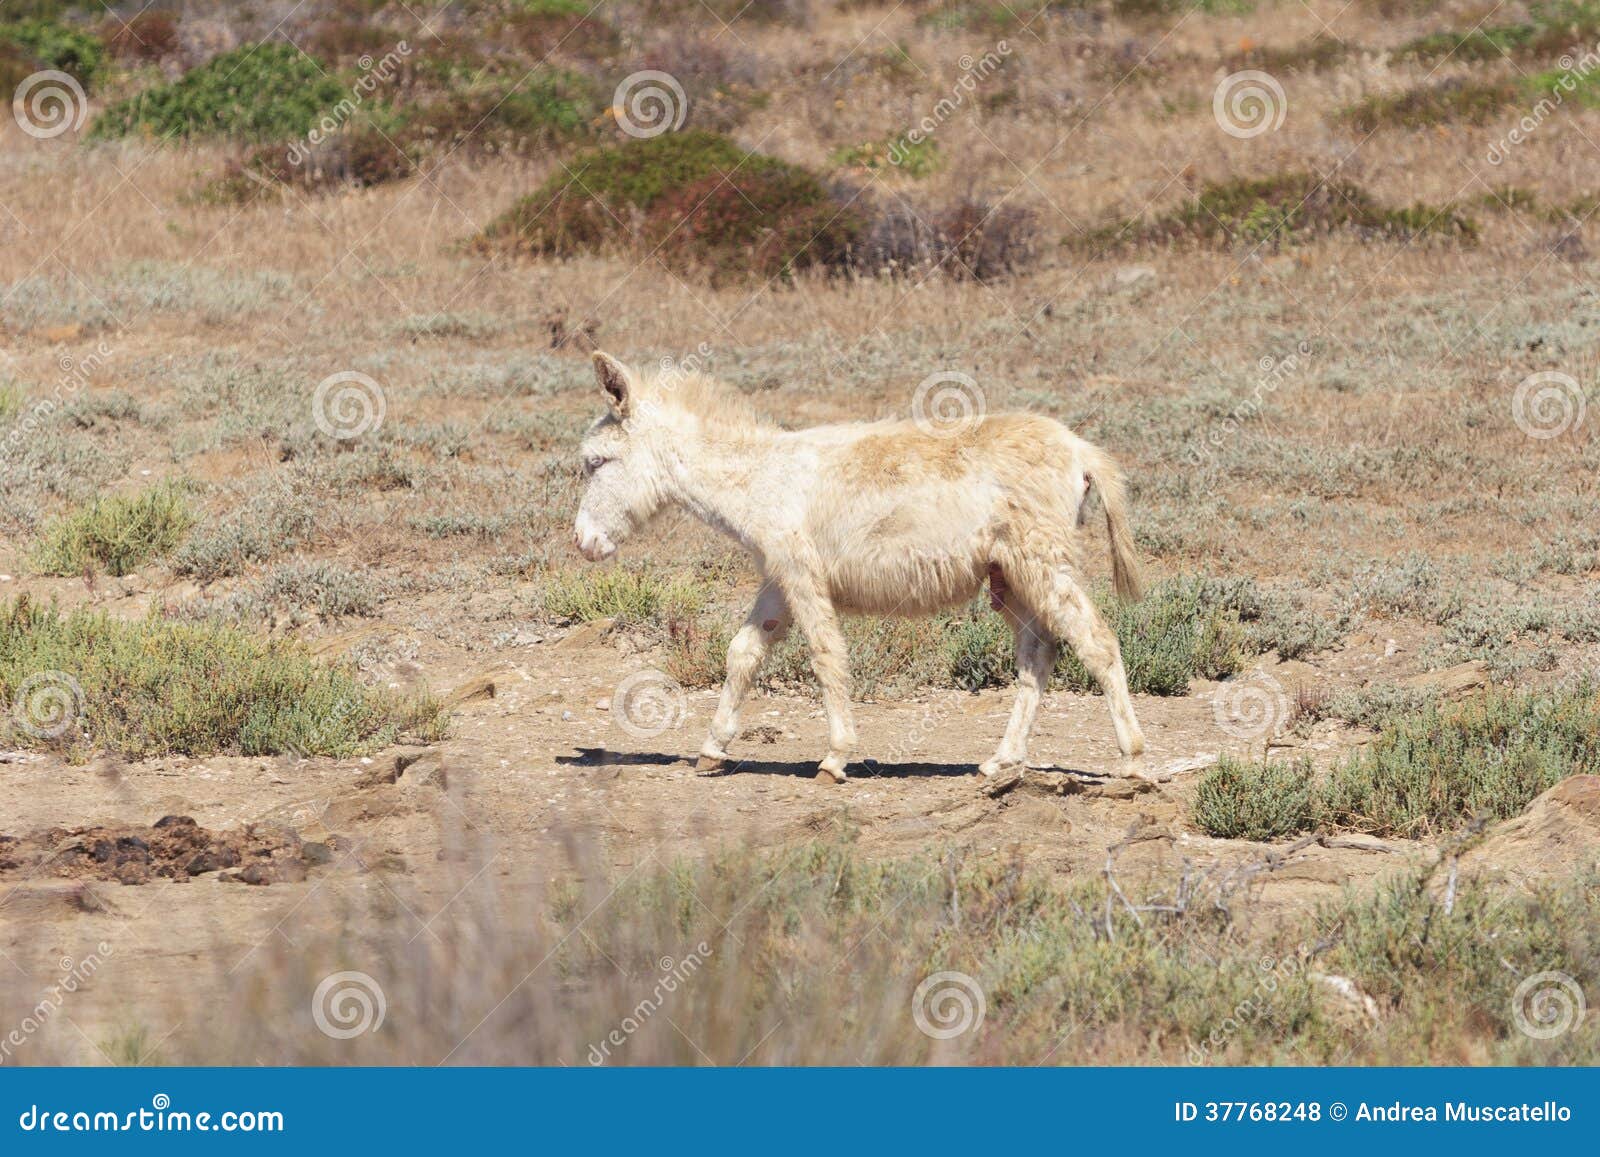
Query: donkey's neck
713	480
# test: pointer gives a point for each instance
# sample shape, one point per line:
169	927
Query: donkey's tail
1102	471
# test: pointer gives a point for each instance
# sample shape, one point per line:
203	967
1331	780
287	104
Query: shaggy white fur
868	517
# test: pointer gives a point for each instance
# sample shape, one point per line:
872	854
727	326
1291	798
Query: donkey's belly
917	585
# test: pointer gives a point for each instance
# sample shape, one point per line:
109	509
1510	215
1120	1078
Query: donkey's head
622	471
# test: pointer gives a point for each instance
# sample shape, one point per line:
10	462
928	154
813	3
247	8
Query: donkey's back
909	520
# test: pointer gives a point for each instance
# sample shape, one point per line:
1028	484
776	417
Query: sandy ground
539	765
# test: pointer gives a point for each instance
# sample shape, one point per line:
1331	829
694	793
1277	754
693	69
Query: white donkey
868	517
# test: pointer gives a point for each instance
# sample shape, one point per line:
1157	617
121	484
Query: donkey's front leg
830	659
766	624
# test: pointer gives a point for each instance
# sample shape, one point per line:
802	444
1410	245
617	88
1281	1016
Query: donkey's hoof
990	768
707	763
831	770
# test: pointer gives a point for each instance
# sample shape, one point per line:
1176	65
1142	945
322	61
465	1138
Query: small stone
288	871
202	862
378	776
316	852
428	771
133	872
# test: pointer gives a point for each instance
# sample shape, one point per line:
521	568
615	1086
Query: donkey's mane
705	397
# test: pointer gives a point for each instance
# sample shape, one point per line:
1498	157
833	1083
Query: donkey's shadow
866	769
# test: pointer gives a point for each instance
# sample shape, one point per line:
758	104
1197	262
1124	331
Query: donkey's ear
616	381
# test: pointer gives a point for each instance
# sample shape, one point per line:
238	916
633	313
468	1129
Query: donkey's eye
590	465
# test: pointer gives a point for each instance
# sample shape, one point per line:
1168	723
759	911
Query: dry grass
815	955
1309	409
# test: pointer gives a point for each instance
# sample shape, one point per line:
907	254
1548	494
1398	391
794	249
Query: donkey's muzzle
594	544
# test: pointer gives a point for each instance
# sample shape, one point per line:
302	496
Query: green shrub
1552	28
1455	100
1429	962
1320	52
628	595
1285	208
701	200
1255	801
537	110
326	587
1378	705
269	524
115	534
154	688
765	219
897	154
360	156
1566	84
73	51
260	92
541	27
579	208
1180	630
1432	768
1489	757
1492	43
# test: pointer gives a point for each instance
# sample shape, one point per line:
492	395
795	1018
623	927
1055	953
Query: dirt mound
174	847
1557	835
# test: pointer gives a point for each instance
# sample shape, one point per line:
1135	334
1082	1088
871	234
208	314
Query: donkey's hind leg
1071	614
830	659
1036	658
766	624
